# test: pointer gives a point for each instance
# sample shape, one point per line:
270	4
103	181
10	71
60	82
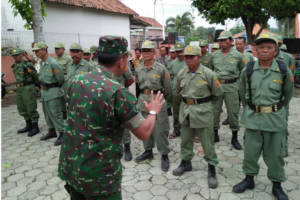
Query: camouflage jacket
98	111
25	73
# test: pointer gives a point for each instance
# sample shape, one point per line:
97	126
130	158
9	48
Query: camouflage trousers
79	196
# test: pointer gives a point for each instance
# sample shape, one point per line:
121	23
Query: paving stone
60	195
36	185
227	196
158	190
143	185
34	172
16	191
15	177
176	194
194	197
158	180
145	195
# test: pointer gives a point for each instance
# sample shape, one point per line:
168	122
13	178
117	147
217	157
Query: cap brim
259	41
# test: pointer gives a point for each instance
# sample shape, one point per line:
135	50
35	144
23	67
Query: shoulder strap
249	72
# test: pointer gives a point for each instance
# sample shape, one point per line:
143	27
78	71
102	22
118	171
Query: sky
172	8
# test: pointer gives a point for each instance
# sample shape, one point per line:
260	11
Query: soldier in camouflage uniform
205	58
175	67
51	78
196	86
90	154
227	64
26	77
152	75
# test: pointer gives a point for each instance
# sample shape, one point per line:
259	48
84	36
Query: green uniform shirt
203	83
127	75
175	66
99	109
288	60
267	89
51	73
82	67
25	73
205	59
64	60
248	57
227	67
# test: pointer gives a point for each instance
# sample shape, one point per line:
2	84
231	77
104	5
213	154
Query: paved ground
29	168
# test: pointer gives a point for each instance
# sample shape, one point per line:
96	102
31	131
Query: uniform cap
39	45
148	45
283	47
215	46
86	50
16	51
179	46
203	43
93	49
192	50
59	45
225	35
113	45
266	37
76	46
172	48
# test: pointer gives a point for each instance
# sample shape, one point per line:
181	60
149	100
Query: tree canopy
250	11
180	24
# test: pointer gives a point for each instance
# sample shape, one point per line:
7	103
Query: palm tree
181	24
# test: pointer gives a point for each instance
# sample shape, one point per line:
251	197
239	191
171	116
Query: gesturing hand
156	103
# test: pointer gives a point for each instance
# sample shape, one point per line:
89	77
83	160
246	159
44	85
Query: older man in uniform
152	75
196	86
27	78
266	87
228	64
205	58
91	152
172	53
51	78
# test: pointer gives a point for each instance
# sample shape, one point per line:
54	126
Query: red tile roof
150	20
114	6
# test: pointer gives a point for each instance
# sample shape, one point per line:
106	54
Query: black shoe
225	122
26	128
128	154
51	134
169	112
145	156
185	166
247	183
34	129
216	139
59	139
234	141
64	115
165	163
278	192
212	178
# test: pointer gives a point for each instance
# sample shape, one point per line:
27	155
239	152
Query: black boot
234	141
185	166
34	129
212	178
145	156
278	192
128	154
165	163
169	112
26	128
51	134
247	183
59	139
217	139
226	122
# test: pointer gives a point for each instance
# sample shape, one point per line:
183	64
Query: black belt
265	109
191	101
48	86
222	81
148	91
23	84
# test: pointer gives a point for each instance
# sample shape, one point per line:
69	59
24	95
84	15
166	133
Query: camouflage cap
59	45
192	50
76	46
113	45
203	43
148	45
39	45
93	49
16	51
224	35
215	45
86	51
283	47
266	37
179	46
172	48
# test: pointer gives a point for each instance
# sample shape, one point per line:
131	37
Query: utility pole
163	15
154	9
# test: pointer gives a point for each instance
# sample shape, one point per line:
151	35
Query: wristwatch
152	112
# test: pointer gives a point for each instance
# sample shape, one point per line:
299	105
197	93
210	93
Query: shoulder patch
56	71
166	75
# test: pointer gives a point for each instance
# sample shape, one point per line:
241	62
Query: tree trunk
37	21
249	25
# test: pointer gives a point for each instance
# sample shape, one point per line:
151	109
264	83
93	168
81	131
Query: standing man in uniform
196	86
62	58
51	78
205	58
86	54
27	78
228	64
172	53
266	87
240	44
215	47
163	58
151	75
90	155
175	66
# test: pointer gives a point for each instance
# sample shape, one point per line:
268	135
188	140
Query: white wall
72	24
8	19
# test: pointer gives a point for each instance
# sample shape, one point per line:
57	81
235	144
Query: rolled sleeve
134	122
